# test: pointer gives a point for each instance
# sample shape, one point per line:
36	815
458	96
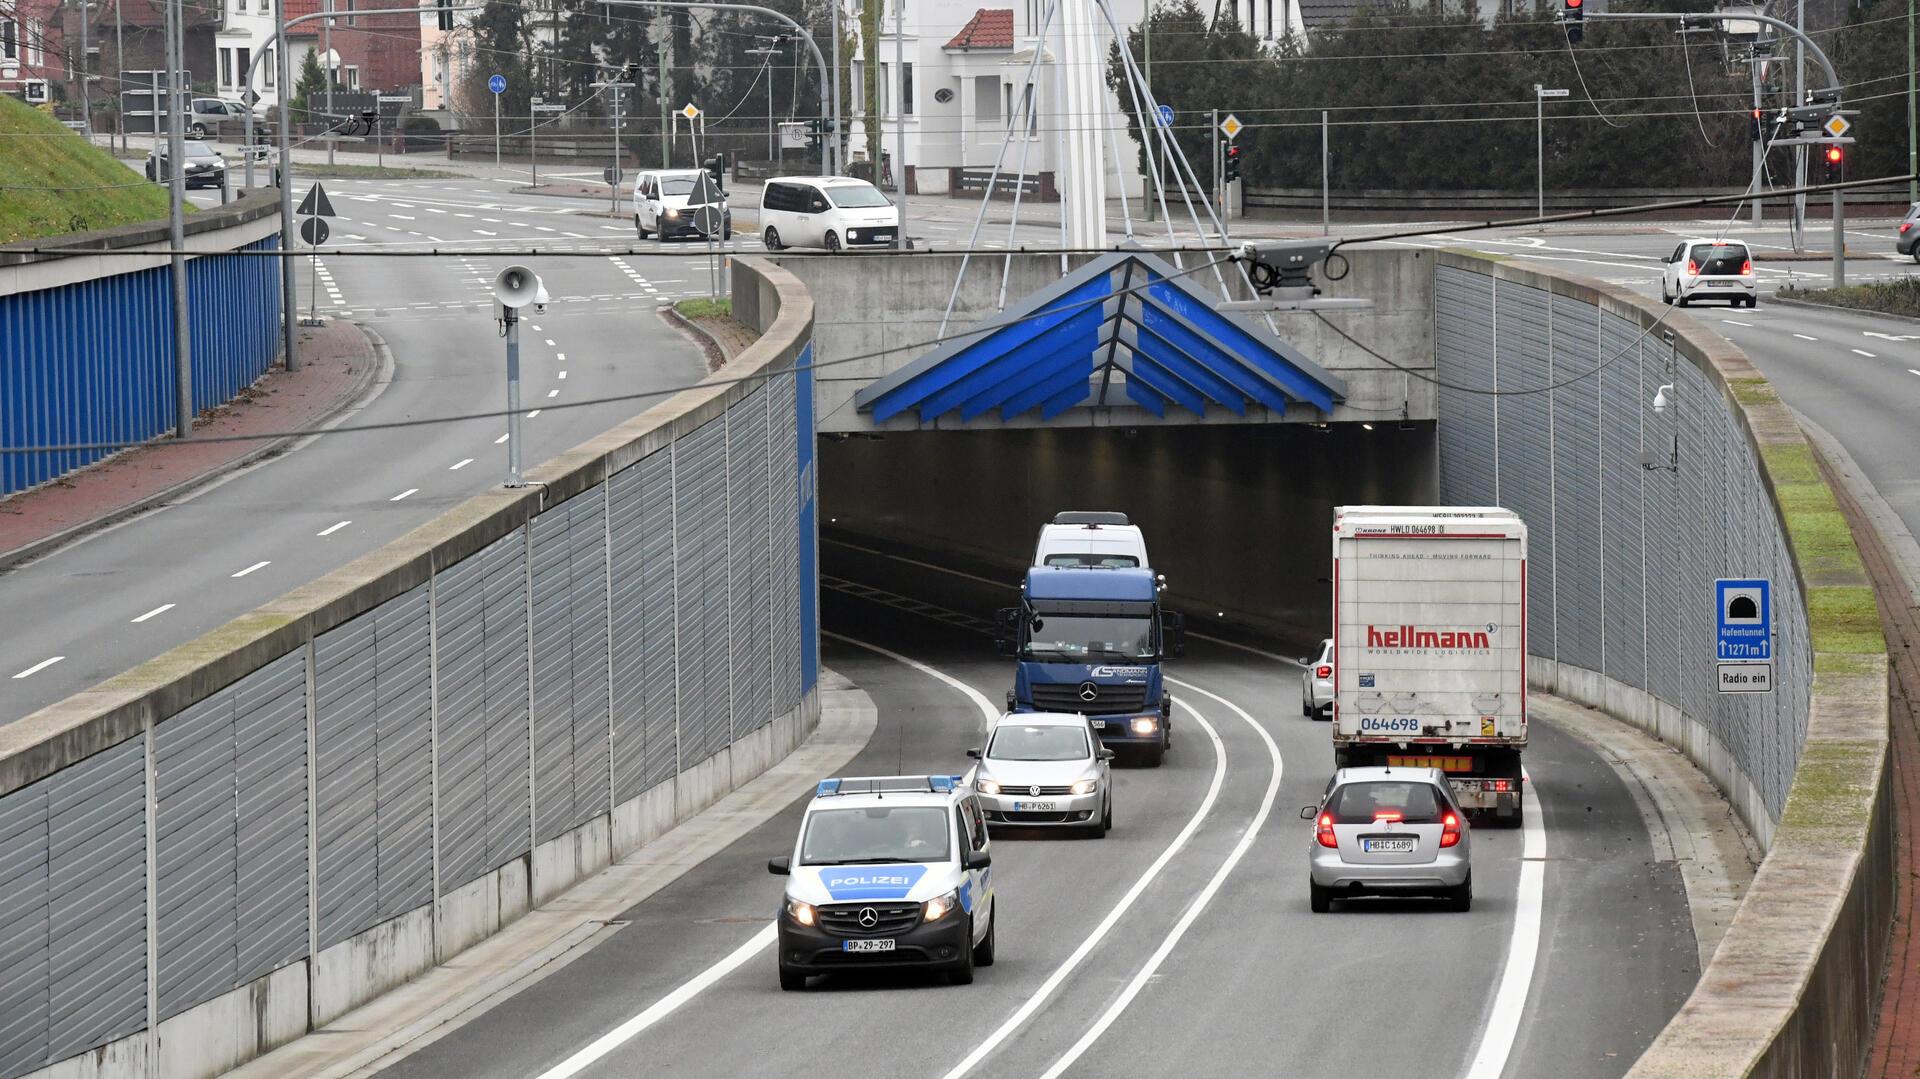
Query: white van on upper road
660	205
833	212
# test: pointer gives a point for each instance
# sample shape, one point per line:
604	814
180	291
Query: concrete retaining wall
243	839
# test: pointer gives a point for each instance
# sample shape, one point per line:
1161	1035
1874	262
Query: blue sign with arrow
1165	112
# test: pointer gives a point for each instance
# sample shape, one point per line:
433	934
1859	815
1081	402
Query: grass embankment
1901	297
702	308
302	170
53	182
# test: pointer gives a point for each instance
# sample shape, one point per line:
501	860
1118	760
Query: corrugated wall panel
628	528
749	554
661	667
700	530
25	954
552	669
344	767
587	634
403	774
509	820
1577	501
784	568
1526	456
196	829
1622	479
270	724
460	629
1463	347
97	901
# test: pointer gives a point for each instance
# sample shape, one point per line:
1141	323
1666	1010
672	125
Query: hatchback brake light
1746	268
1693	267
1904	226
1449	830
1323	671
1324	831
1380	815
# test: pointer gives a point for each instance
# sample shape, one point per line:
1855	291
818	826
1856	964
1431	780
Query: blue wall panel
92	362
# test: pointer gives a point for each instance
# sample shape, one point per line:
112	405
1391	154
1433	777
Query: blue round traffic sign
1165	111
498	84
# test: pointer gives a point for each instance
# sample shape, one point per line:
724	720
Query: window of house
242	61
906	89
226	67
271	72
986	99
886	91
352	78
1028	107
856	81
1007	90
9	40
36	52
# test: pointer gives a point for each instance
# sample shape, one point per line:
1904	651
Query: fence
1622	563
243	839
86	343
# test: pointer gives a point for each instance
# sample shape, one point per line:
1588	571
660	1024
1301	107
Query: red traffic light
1756	114
1834	154
1573	5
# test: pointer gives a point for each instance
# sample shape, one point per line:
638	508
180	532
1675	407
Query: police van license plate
1033	807
867	945
1392	845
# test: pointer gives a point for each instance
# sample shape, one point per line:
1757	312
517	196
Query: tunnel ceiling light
1366	427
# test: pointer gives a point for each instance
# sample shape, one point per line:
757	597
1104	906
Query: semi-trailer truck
1090	640
1430	646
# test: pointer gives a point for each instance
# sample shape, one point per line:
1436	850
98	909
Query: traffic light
716	167
1836	164
1575	20
443	13
1755	133
1231	171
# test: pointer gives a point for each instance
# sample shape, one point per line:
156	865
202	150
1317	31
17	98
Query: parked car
1709	270
1389	831
210	112
1908	241
204	165
1316	682
660	205
834	212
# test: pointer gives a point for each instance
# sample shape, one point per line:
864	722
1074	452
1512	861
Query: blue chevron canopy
1128	312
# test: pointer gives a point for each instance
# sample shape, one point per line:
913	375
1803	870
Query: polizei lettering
1414	637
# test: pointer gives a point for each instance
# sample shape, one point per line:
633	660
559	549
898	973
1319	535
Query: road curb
1811	305
27	552
716	352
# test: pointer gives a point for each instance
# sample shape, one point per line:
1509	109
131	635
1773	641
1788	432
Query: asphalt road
127	594
1376	988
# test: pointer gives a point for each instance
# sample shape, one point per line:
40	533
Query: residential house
376	43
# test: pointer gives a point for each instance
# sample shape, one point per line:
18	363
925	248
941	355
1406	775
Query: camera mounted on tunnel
1281	273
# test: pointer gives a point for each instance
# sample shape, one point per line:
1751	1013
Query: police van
888	871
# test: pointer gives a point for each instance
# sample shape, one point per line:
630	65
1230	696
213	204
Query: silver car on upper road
1045	769
1389	831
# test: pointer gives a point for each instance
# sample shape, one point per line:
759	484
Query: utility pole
177	228
326	48
119	70
86	76
1219	191
1799	229
613	186
1539	151
1758	135
900	115
1146	137
1913	125
1326	224
666	146
830	142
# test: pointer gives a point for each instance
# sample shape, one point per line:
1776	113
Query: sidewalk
340	361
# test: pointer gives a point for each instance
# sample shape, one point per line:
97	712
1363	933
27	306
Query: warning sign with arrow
316	203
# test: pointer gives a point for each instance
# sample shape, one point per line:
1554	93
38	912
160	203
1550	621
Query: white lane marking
160	610
1523	948
560	356
1199	904
1804	337
1864	352
403	494
549	340
38	667
457	466
660	1009
1737	322
484	232
534	413
331	529
255	566
553	393
1032	1003
402	217
1911	371
501	439
563	375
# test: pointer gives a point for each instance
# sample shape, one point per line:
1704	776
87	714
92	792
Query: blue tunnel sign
1743	619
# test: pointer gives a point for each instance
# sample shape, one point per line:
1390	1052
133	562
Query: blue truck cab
1090	640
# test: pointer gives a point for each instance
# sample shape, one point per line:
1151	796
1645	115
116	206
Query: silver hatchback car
1389	831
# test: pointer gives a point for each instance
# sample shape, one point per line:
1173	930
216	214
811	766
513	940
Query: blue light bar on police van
886	785
826	787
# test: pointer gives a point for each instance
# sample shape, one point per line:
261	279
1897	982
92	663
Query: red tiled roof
990	28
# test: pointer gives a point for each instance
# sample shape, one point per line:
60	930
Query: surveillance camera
1660	399
540	299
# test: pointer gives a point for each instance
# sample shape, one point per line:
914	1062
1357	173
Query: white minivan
833	212
660	205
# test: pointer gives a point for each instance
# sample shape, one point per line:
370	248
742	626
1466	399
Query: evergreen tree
310	86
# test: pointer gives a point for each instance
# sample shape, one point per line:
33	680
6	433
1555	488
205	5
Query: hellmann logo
1416	637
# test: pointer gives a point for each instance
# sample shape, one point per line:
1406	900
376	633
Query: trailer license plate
1099	724
867	945
1395	845
1033	807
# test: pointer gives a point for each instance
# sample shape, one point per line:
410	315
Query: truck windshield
1065	637
875	835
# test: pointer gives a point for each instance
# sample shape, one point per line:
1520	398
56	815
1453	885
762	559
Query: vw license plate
1395	845
1099	724
867	945
1033	807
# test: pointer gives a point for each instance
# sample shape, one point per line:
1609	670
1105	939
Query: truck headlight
800	912
940	906
1085	786
986	786
1143	725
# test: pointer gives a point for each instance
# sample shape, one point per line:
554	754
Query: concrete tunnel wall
1237	517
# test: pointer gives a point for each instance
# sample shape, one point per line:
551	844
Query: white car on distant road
1704	269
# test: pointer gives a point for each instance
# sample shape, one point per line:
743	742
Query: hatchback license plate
1099	724
867	945
1395	845
1033	807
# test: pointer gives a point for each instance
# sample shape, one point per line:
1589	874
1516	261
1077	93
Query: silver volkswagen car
1389	831
1045	769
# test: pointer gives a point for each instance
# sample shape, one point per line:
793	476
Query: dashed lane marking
156	612
1804	337
458	465
255	566
331	529
1864	352
38	667
403	494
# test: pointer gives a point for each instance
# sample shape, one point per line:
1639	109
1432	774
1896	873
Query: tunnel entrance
1237	517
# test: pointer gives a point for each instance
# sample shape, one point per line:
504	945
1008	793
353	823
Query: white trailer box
1430	645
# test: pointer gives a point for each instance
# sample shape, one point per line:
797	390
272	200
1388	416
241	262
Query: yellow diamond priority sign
1231	126
1836	126
690	111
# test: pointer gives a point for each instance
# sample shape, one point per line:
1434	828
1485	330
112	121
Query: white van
660	205
833	212
1091	538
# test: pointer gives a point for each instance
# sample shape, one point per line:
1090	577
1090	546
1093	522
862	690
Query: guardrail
242	839
1623	563
1518	202
88	340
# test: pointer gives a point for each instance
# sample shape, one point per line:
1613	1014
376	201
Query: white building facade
246	32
